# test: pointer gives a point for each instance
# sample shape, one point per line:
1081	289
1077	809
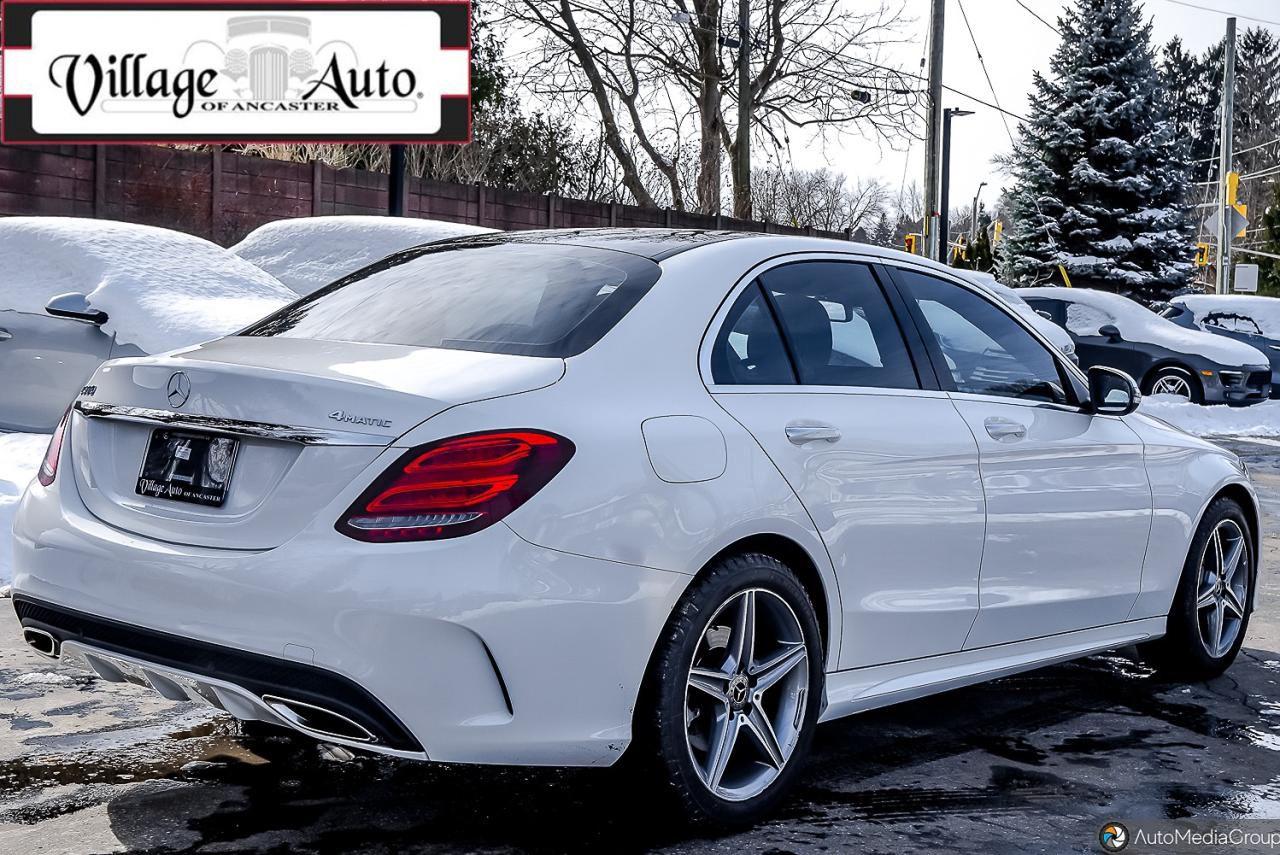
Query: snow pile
20	456
1088	309
161	289
1047	328
1257	420
310	252
1237	312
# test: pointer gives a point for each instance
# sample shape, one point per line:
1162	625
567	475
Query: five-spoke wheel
733	691
746	695
1223	587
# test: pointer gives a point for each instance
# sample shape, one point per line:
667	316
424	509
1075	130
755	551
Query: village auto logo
195	71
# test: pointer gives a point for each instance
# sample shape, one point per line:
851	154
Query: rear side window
839	326
749	349
491	296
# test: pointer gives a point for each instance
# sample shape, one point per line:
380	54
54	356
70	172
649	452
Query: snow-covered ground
161	289
20	456
1256	420
307	253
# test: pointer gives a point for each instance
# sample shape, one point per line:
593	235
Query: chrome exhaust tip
40	641
317	721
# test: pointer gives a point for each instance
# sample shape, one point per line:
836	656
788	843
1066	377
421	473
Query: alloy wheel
746	694
1222	588
1172	384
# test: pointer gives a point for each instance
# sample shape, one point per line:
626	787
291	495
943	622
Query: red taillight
456	486
49	467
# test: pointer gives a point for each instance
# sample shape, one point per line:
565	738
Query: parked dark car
1165	359
1252	320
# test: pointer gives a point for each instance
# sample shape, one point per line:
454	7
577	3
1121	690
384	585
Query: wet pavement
1032	763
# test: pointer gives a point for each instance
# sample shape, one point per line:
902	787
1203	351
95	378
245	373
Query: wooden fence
223	196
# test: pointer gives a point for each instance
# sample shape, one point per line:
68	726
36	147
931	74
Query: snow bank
310	252
1264	311
1088	309
1256	420
1047	328
20	456
161	289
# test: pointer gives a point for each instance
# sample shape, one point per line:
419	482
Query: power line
1242	150
1033	14
1044	221
950	89
1223	12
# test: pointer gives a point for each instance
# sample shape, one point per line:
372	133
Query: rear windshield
493	296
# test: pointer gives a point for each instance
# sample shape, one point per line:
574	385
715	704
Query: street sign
1246	278
1238	223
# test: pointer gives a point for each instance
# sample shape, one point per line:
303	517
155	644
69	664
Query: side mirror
75	306
1112	392
1111	332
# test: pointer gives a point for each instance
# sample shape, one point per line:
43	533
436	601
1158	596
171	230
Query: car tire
1175	376
702	694
1210	612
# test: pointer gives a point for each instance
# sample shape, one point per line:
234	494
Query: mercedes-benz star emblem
179	389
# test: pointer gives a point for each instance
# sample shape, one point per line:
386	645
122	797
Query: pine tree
1100	176
1269	268
882	234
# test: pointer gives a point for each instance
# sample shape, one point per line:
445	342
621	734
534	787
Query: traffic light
999	232
1202	254
912	243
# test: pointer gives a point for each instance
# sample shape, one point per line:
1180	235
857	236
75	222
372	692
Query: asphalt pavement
1034	763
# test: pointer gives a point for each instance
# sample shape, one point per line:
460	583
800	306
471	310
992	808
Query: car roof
653	244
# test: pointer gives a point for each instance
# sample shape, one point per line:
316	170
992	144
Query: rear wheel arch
796	557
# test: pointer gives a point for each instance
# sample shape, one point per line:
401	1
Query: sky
1014	45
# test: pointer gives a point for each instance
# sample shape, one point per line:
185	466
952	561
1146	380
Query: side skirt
862	689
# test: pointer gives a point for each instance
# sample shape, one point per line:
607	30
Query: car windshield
481	294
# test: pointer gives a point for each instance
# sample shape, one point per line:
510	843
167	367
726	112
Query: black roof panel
654	244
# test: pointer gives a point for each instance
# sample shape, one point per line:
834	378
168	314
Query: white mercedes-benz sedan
552	497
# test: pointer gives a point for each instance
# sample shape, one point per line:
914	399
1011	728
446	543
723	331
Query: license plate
188	467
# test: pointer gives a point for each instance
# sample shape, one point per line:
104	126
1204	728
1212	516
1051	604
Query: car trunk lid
307	418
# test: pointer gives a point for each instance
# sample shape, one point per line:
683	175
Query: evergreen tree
1184	78
1100	176
1269	268
882	234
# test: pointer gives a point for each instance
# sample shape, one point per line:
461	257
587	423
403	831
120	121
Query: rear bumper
481	649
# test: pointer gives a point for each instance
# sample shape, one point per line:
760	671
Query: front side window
480	294
985	351
839	327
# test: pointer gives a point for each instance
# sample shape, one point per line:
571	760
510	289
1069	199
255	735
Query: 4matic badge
353	419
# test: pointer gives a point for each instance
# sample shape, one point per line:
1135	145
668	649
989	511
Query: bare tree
651	70
819	198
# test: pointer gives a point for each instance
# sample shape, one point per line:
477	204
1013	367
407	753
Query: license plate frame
188	466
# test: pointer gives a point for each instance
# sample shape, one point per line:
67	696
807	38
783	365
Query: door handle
1005	429
5	335
800	434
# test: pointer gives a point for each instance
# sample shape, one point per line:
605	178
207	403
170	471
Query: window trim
922	368
1076	385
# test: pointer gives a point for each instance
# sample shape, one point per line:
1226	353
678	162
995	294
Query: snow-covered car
1056	334
307	253
1250	319
1164	358
76	292
544	498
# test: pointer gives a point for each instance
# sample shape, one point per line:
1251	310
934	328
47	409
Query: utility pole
944	192
1225	160
395	194
973	226
742	204
933	130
